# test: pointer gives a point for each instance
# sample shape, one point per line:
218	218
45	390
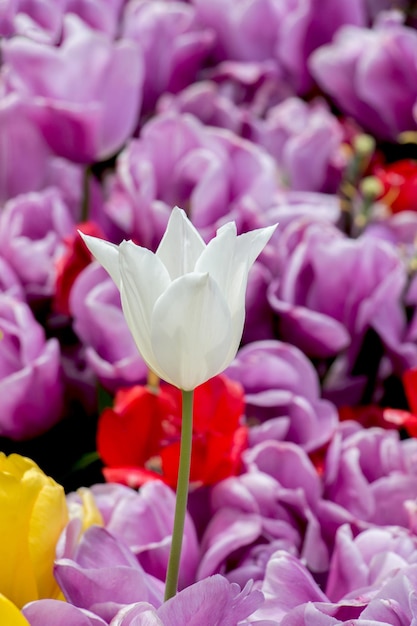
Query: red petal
402	419
410	386
131	433
131	476
70	265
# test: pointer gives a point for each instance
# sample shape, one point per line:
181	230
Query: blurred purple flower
399	229
89	119
30	380
173	44
99	323
372	474
205	101
39	20
40	168
103	575
19	135
306	141
216	175
9	282
32	230
101	15
372	74
42	20
282	394
292	205
374	7
271	29
143	521
259	320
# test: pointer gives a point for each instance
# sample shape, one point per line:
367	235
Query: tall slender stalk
171	582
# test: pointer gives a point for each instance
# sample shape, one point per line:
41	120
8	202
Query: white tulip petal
228	258
191	330
144	279
106	253
181	245
253	242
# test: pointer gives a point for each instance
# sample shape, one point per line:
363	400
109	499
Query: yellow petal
49	517
10	614
90	513
33	513
17	578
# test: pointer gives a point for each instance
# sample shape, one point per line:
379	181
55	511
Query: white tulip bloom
184	304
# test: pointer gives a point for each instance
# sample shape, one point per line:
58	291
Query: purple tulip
259	512
210	601
372	474
205	101
99	323
88	119
32	230
292	205
292	596
326	312
286	32
143	521
287	585
177	160
40	168
306	141
282	394
368	560
30	380
236	95
19	135
173	45
103	576
289	206
372	75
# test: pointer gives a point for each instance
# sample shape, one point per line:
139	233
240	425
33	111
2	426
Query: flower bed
299	340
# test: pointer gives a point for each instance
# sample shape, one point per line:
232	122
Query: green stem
171	582
85	205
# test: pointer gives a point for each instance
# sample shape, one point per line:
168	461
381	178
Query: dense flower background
303	503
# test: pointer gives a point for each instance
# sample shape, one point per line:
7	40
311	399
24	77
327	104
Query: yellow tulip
33	512
10	614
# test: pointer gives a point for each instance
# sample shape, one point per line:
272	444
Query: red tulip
71	263
139	438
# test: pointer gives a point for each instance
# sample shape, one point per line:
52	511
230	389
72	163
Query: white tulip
184	304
